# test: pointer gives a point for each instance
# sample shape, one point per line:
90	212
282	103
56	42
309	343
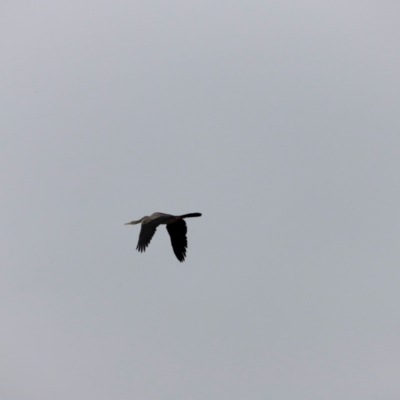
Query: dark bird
176	227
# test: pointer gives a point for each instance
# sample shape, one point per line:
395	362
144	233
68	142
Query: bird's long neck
191	215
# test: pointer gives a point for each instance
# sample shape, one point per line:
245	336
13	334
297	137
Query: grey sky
279	121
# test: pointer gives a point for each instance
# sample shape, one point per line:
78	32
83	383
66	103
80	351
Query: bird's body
176	227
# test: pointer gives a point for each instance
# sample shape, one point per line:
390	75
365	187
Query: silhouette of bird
176	227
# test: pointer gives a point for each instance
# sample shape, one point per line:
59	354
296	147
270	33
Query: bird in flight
176	227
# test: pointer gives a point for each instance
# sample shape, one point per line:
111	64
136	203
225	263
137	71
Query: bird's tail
191	215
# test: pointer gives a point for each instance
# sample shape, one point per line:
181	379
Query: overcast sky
279	121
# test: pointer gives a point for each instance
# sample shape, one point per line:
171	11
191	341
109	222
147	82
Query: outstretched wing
149	226
177	232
